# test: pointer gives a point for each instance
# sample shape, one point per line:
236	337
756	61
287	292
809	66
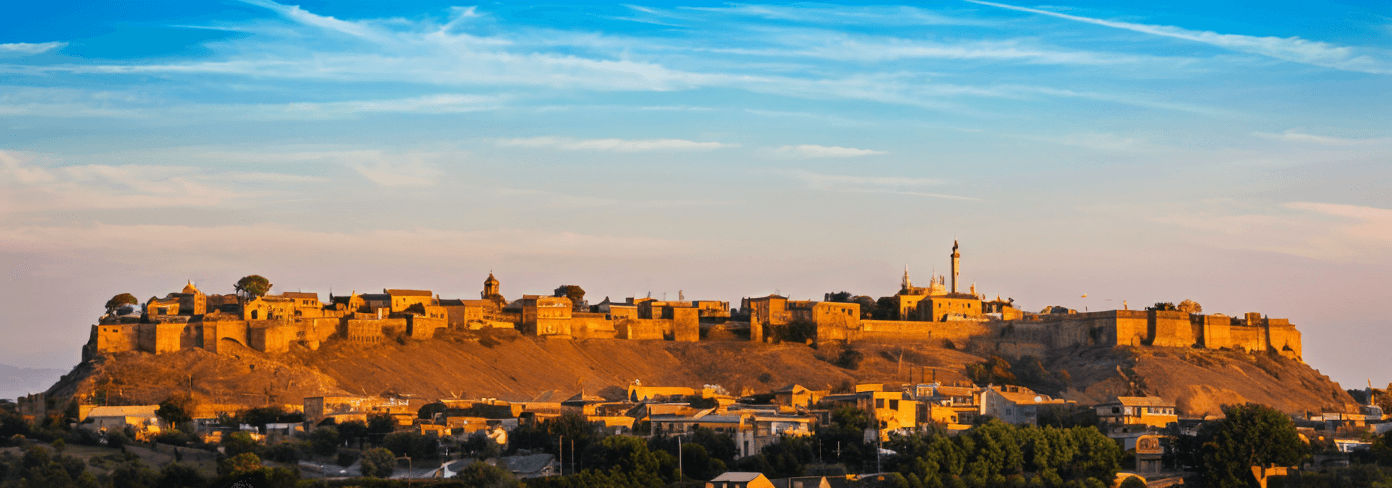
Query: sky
1086	154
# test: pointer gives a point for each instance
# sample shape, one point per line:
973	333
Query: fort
939	312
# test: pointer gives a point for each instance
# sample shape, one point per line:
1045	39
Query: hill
504	364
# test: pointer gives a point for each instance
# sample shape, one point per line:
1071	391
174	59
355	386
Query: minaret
956	265
906	284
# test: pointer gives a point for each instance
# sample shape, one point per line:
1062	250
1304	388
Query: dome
491	280
190	289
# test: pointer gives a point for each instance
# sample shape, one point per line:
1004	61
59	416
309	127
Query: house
546	316
144	419
1148	410
1015	404
953	406
400	300
734	479
798	396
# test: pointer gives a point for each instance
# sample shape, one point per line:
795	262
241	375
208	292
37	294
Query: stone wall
585	325
686	324
642	329
160	338
421	327
272	336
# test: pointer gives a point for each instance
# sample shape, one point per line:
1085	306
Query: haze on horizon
1234	155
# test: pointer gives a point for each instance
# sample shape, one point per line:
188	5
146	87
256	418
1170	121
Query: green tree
239	443
573	292
1249	435
1163	307
239	465
177	410
483	475
119	301
178	475
325	440
250	287
378	463
413	444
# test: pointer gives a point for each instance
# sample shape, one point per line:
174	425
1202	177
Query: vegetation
482	475
1163	307
1249	435
1189	306
250	287
573	292
378	463
992	371
119	301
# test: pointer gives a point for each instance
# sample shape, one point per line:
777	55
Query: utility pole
681	475
572	456
560	452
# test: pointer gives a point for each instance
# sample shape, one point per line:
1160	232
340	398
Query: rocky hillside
505	365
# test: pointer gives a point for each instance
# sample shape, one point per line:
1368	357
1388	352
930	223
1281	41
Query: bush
849	359
482	475
378	463
346	457
1132	482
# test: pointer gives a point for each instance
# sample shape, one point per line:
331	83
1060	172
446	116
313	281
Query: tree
119	301
483	475
250	287
378	463
1163	307
178	475
1249	435
840	296
1189	306
239	465
177	410
573	292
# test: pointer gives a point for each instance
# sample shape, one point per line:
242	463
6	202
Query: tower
956	265
490	286
906	285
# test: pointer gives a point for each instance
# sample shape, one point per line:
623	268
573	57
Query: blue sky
1234	154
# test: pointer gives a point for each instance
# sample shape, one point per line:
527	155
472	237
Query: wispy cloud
1293	136
1292	49
1315	230
815	151
613	145
31	187
233	245
897	185
29	48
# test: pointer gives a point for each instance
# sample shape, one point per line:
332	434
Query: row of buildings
938	312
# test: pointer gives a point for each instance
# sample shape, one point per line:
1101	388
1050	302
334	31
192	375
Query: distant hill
16	381
506	365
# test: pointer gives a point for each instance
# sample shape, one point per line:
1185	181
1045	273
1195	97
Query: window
879	403
894	404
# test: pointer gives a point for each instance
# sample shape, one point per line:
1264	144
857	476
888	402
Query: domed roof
491	280
189	288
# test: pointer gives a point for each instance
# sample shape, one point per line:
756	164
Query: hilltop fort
938	313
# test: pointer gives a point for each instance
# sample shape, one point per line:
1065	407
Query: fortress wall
191	336
584	325
159	338
215	331
422	328
1248	338
957	331
320	328
1285	340
115	338
1170	329
272	337
1216	332
642	328
363	331
686	324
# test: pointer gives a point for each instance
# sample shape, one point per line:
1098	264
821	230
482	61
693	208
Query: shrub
849	359
378	463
